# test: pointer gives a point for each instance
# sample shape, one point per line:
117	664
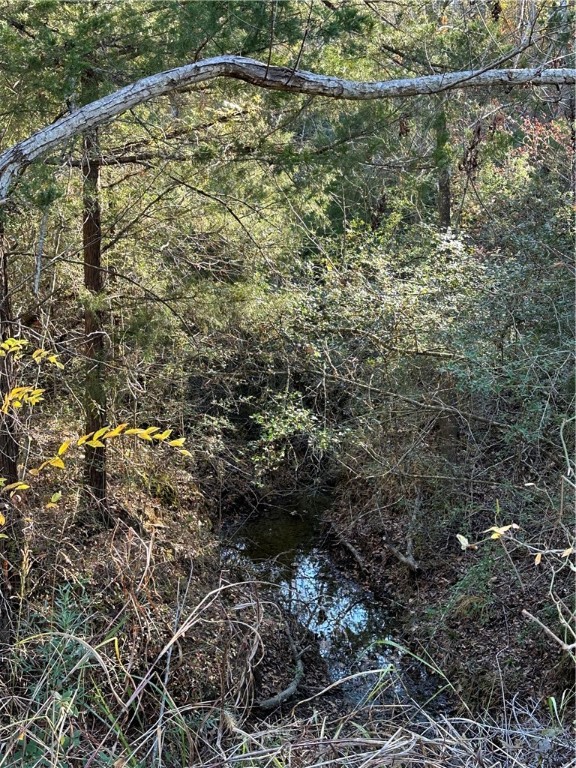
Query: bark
11	544
14	160
442	157
571	112
95	389
8	440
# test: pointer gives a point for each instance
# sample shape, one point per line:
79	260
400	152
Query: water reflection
344	617
348	622
350	625
278	537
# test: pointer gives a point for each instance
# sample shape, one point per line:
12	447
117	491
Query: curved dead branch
274	701
16	158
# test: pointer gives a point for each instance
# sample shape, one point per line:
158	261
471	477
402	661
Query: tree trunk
571	111
442	159
444	197
8	442
95	496
13	534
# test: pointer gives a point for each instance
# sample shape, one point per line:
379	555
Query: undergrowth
74	694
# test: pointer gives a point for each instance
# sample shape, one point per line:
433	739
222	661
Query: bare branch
16	158
571	647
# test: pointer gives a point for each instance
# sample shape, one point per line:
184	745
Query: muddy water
352	628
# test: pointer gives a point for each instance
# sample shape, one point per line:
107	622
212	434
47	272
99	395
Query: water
350	625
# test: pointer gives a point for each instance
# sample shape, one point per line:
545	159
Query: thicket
373	300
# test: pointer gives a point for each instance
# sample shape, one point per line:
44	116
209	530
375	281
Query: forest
287	463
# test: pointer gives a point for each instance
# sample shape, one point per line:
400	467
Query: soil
462	610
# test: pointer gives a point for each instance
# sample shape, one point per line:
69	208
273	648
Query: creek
354	631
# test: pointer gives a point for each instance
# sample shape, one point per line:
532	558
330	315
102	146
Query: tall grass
69	698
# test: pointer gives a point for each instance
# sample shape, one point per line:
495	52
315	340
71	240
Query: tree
95	387
75	57
89	117
8	438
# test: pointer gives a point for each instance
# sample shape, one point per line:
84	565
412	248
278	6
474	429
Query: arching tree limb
16	158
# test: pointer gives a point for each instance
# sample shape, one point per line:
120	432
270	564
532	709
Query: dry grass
130	652
72	696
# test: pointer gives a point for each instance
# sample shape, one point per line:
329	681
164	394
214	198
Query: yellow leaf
163	435
177	443
145	436
57	462
2	519
497	533
34	392
17	486
98	434
538	558
184	452
116	431
151	430
568	552
54	360
463	541
144	433
64	447
84	439
55	498
95	443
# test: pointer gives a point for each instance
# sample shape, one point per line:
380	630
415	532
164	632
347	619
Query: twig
351	549
40	252
565	646
406	559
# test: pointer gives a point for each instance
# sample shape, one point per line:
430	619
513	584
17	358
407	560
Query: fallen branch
290	690
569	648
406	559
351	549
